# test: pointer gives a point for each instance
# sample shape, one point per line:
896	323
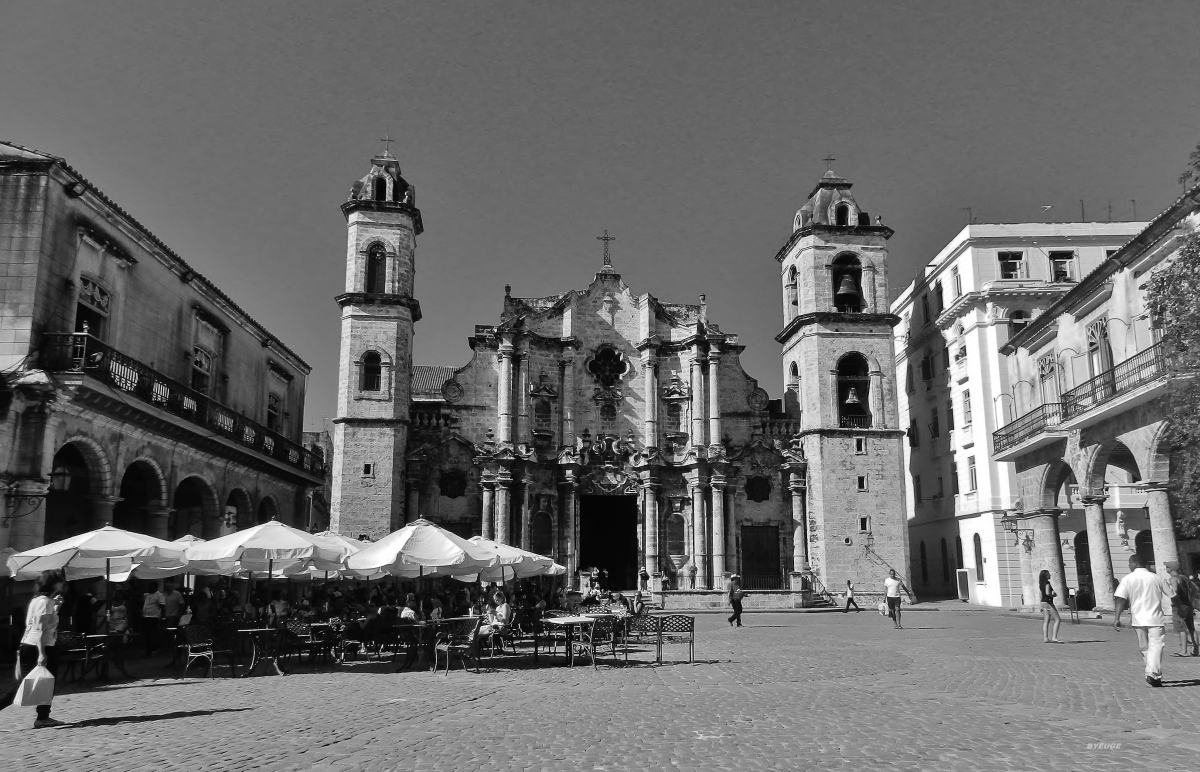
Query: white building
981	288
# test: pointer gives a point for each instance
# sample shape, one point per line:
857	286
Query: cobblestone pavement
952	691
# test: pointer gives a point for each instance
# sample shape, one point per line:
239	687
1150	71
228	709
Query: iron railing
1140	369
769	582
854	421
81	352
1032	423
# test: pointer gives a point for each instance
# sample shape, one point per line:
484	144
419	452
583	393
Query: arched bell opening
854	392
847	285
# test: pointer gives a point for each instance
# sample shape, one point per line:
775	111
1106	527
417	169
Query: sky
691	131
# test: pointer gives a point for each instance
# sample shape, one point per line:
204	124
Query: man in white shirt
1142	592
892	587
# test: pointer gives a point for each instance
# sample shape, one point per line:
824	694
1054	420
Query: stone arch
100	475
197	509
143	488
1053	476
1158	460
243	508
268	509
68	503
1111	452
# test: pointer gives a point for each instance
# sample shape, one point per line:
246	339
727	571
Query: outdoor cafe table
264	647
569	624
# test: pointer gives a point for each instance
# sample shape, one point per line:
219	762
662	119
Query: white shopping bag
883	610
36	689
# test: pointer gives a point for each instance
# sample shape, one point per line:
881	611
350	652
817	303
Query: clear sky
692	131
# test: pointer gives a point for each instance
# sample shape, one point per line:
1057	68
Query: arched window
675	535
372	371
854	387
380	189
841	215
790	287
1018	320
847	284
1100	357
201	370
376	270
978	558
945	562
398	188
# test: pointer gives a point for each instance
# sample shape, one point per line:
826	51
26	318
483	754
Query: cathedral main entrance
608	538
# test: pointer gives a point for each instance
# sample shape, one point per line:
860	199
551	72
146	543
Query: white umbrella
350	547
421	549
269	550
188	538
5	554
106	552
557	569
511	562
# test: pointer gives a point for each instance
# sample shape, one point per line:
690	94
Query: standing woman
41	633
1051	620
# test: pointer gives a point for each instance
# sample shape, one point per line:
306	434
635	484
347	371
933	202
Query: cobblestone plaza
955	690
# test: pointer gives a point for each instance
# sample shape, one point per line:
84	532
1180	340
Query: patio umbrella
421	549
268	550
349	547
106	552
511	562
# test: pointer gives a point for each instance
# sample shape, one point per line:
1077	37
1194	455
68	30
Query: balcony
780	428
1117	389
83	353
854	421
1025	428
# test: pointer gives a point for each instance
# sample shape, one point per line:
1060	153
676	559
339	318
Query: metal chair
642	629
198	643
676	628
461	639
72	651
601	632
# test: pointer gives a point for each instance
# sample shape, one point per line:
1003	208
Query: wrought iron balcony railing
1140	369
1032	423
81	352
854	421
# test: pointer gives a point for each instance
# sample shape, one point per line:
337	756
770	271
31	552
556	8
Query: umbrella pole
108	582
270	569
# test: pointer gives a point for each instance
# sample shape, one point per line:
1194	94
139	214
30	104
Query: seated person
408	614
498	618
435	611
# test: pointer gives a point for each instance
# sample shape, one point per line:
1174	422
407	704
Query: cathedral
618	433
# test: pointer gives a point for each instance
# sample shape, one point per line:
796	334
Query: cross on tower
829	162
387	141
606	238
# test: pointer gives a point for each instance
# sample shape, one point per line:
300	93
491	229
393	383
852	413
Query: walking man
1142	591
1178	594
892	587
735	600
850	597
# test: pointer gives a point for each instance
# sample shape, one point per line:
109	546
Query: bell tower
839	380
375	364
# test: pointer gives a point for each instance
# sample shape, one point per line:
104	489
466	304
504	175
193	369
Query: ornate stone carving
758	400
675	390
453	483
758	488
608	366
452	391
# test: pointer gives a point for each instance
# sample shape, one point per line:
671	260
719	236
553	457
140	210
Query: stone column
567	398
697	398
101	513
504	391
158	523
569	489
1047	548
733	560
523	434
878	417
1029	585
1098	552
714	400
503	508
650	491
526	514
868	288
700	536
1162	529
489	509
718	528
799	522
650	428
412	503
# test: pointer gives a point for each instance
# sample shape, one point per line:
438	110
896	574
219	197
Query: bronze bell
847	287
852	397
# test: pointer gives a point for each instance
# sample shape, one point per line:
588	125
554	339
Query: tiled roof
429	379
13	152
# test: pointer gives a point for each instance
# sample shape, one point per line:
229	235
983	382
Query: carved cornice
379	299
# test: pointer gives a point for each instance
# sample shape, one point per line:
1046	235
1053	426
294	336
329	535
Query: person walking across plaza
1180	594
850	597
1141	591
1051	619
892	587
39	639
153	605
735	594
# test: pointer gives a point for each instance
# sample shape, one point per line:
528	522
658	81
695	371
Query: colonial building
619	433
980	289
132	390
1087	446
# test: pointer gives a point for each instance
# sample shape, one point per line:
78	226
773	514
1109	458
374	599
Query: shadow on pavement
1184	682
109	720
1096	641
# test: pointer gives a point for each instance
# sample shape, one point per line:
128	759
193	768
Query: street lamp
14	499
1012	524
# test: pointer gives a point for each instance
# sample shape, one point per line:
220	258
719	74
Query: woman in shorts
1051	619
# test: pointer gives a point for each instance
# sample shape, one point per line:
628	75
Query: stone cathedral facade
618	433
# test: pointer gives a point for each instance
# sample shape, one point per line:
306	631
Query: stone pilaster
799	522
504	389
1047	548
570	505
1098	552
523	433
697	398
700	524
568	397
650	427
650	492
158	523
719	530
489	509
101	512
526	514
714	399
503	507
412	504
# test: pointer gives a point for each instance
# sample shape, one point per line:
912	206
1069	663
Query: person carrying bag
37	658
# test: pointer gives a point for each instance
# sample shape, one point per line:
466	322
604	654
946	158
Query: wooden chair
677	628
600	633
460	638
198	643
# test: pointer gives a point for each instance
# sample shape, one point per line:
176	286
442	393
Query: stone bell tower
839	379
375	364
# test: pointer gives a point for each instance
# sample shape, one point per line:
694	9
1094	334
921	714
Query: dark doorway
1085	597
608	538
760	557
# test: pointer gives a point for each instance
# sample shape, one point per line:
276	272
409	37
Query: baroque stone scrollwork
758	400
452	391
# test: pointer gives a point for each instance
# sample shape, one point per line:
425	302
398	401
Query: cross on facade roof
606	238
387	141
829	159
